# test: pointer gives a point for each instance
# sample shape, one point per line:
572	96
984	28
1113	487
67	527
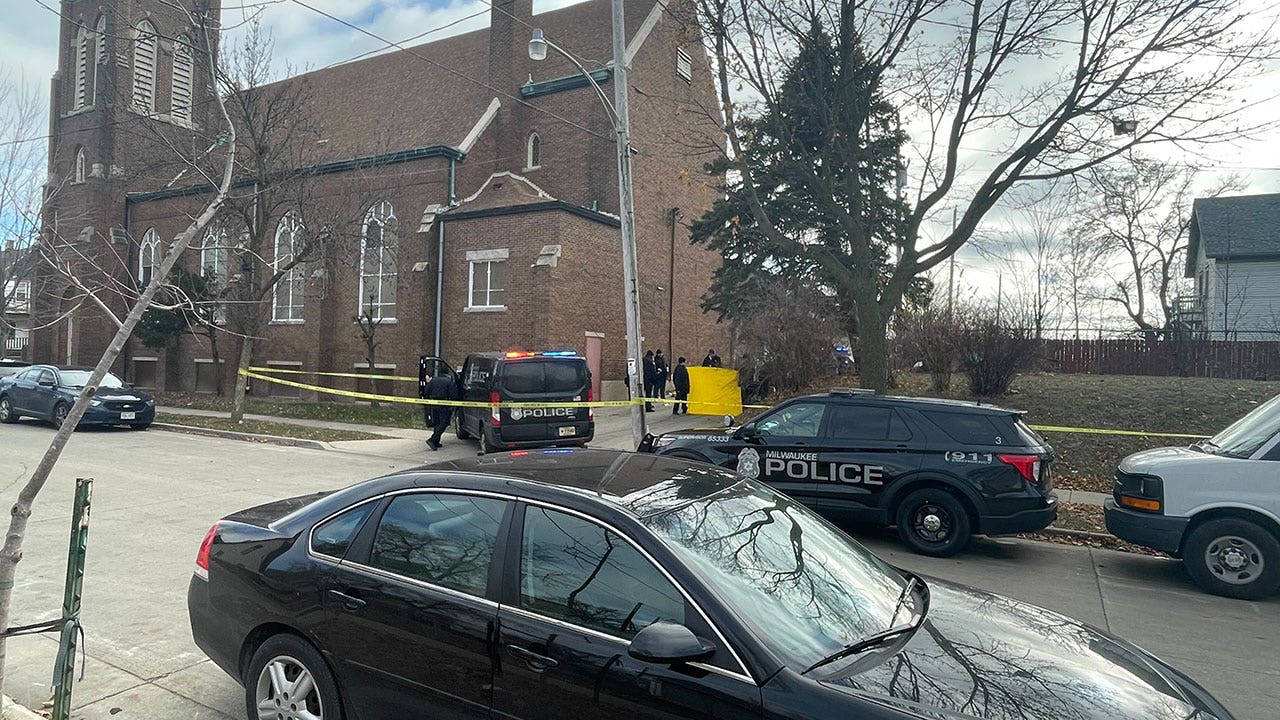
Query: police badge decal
749	463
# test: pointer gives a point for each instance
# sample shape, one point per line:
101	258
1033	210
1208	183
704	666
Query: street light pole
620	117
626	205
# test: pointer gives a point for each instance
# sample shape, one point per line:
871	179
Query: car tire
7	413
287	657
932	521
58	415
1234	558
459	429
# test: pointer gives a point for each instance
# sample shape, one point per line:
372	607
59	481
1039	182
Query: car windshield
1247	434
804	587
78	378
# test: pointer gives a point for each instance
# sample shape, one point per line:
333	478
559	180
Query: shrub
993	353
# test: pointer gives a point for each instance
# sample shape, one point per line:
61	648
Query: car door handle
535	661
349	602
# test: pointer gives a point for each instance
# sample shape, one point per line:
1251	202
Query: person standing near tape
680	382
441	387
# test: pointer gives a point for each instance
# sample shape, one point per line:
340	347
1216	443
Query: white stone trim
541	193
488	255
481	125
594	334
650	21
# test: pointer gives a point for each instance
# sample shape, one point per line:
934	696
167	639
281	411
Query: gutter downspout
439	282
453	182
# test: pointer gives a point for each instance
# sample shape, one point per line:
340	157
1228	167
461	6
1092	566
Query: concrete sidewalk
613	431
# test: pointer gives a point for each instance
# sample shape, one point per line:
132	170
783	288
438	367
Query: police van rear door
544	380
867	446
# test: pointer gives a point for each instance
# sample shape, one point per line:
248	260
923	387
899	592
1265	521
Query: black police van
521	377
940	470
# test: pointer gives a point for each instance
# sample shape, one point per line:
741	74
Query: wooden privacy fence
1240	359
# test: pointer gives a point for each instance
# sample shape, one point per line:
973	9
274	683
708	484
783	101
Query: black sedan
593	584
47	392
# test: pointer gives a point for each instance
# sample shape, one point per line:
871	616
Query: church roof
434	93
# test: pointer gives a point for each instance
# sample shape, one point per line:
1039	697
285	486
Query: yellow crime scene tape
717	400
1104	431
282	371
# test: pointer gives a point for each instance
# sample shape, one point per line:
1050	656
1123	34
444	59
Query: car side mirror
747	432
668	643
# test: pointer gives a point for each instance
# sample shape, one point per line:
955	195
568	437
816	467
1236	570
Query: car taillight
1028	466
494	413
591	412
202	557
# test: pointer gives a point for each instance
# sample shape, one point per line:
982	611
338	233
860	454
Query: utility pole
999	294
626	202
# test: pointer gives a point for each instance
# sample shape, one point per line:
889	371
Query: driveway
156	493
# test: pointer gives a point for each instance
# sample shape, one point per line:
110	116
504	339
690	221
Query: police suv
940	470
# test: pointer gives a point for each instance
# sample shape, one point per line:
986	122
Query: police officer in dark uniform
441	387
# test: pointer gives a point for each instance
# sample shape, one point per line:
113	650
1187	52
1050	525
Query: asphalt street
156	493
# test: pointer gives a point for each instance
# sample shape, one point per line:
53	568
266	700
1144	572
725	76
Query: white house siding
1243	300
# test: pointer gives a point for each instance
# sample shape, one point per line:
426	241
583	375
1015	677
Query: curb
250	437
13	711
1079	534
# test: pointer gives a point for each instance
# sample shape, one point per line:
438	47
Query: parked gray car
1215	504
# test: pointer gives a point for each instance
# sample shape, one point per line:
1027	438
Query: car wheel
459	429
59	415
1234	558
932	521
287	678
7	414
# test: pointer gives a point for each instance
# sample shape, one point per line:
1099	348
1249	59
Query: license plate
567	430
128	415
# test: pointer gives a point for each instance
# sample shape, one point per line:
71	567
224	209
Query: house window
148	256
144	372
79	173
684	65
379	256
207	374
487	279
278	390
182	72
144	68
534	159
82	68
100	41
287	294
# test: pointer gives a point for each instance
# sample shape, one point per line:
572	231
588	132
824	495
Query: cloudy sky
307	40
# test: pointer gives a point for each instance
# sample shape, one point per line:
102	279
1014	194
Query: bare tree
1109	75
1138	213
21	188
20	513
286	227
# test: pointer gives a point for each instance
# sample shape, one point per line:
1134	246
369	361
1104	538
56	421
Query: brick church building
480	185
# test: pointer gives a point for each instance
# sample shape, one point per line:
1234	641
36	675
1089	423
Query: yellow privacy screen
714	391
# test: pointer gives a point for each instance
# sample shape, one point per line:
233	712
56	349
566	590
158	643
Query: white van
1215	504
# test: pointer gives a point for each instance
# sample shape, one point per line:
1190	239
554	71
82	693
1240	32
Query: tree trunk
219	386
246	359
873	346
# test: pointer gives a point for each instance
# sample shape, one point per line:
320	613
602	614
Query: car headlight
95	402
150	402
663	441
